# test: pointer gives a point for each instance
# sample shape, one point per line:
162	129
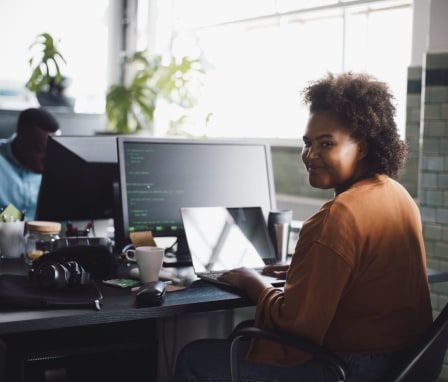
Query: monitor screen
78	179
160	176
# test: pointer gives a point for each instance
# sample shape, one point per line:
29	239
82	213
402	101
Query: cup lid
44	227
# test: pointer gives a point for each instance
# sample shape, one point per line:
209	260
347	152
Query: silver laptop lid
222	238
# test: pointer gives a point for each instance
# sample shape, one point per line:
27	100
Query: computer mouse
151	294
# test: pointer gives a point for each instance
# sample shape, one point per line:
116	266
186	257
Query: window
260	54
81	29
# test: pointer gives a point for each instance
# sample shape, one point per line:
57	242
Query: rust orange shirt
357	282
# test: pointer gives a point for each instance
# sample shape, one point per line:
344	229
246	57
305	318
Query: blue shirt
18	185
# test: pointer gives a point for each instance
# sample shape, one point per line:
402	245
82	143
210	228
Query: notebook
222	238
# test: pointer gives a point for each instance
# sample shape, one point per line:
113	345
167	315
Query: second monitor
79	178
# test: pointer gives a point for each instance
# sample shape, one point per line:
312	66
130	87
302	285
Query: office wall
410	176
427	135
433	187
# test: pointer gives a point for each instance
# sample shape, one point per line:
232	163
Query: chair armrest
336	363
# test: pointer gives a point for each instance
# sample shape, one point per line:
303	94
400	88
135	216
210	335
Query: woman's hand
246	279
276	270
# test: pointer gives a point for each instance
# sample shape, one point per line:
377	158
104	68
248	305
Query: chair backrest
425	360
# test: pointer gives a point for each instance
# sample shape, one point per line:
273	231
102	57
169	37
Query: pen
88	227
71	228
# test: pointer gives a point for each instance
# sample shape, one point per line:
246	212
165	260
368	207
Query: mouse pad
20	291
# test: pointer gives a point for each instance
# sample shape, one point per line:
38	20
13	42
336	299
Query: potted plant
130	106
46	79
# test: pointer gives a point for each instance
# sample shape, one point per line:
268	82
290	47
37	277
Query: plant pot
51	99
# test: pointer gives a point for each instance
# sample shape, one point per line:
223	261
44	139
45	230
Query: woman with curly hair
357	281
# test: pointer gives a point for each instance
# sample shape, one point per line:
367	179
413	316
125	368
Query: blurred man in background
22	159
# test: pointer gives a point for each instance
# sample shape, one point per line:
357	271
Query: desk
118	306
59	329
118	311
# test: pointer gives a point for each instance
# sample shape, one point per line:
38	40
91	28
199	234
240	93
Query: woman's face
332	157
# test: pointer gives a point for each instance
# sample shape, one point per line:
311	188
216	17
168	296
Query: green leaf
46	64
154	78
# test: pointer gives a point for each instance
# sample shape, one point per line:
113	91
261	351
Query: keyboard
214	276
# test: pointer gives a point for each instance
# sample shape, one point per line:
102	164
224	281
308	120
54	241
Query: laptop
222	238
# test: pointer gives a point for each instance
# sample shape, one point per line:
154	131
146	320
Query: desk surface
118	306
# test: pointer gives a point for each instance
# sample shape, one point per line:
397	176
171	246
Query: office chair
423	362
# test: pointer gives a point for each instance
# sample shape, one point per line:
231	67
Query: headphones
59	275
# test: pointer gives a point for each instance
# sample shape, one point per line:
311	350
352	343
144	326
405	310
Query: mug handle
130	255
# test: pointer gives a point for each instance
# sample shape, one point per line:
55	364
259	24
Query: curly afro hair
365	106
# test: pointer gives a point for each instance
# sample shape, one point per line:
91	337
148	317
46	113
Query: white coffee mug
149	261
12	239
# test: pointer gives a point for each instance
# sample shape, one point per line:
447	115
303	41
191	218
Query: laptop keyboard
214	275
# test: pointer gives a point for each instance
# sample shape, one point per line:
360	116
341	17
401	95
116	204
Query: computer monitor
78	179
159	176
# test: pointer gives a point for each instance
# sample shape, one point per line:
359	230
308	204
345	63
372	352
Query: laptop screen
221	238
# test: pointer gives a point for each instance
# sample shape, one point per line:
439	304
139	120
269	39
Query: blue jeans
207	360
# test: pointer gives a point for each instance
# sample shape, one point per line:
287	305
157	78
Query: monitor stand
179	257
